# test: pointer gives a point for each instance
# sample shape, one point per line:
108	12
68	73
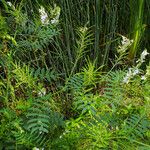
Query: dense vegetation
75	75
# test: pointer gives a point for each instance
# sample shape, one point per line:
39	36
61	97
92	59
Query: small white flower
126	79
35	148
143	55
131	73
42	92
143	77
128	76
131	41
83	29
44	16
125	40
40	132
9	3
55	13
125	44
136	71
55	20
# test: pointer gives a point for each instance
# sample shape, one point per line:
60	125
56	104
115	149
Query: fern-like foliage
24	138
22	75
27	38
97	135
33	38
83	100
136	126
44	74
76	83
41	120
114	91
91	73
42	123
85	39
86	103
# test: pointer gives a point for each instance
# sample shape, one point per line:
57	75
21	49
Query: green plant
113	93
91	73
136	126
82	43
86	103
54	93
136	24
76	83
37	126
43	74
42	122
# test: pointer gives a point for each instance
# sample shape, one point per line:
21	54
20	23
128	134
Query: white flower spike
55	13
136	71
11	5
143	78
44	16
125	44
130	74
143	55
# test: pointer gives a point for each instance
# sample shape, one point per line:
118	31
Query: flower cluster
134	71
43	16
125	44
11	5
143	55
126	41
130	74
56	13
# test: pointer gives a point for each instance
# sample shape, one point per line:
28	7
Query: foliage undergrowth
60	90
